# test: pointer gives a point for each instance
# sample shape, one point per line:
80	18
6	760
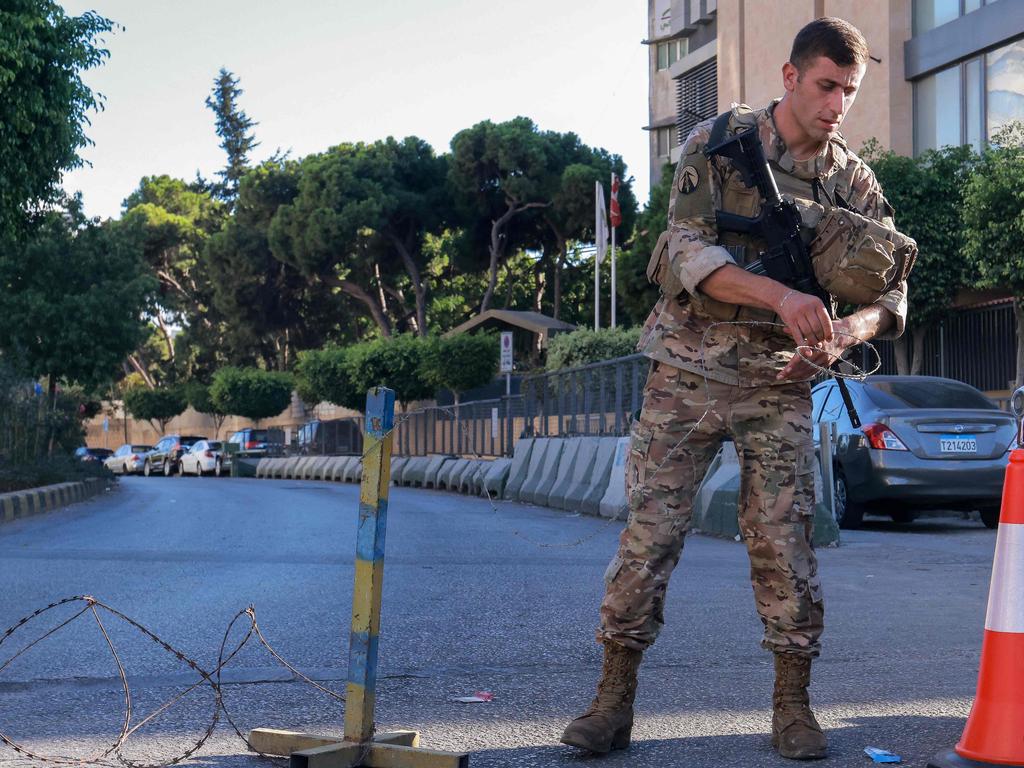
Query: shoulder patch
692	190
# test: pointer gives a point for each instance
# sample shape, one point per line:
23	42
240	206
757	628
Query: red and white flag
615	214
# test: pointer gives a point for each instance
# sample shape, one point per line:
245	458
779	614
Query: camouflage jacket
690	330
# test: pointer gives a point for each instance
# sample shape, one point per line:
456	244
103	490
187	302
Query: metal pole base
398	749
951	759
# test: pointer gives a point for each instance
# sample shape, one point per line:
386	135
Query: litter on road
881	755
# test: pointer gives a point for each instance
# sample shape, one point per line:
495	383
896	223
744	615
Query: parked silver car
924	442
128	459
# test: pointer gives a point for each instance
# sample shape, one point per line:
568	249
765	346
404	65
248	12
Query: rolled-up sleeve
896	302
692	250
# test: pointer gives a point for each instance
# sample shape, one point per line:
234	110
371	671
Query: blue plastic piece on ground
881	755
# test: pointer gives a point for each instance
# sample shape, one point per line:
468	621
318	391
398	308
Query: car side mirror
1017	406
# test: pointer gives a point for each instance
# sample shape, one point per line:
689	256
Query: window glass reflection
929	14
1005	80
937	110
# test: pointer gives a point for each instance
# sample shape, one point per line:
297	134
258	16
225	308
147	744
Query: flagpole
613	276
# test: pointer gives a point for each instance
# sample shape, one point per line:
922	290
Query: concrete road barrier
494	481
288	469
415	471
470	479
397	465
597	484
519	468
577	449
263	468
33	501
353	471
613	504
448	471
542	449
436	465
578	483
547	473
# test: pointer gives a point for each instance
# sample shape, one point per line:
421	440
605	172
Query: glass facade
1004	86
929	14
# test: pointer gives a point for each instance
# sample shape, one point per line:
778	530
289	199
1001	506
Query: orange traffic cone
994	734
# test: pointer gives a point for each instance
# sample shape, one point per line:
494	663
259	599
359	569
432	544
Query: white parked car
203	458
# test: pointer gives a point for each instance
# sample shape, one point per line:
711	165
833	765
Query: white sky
317	73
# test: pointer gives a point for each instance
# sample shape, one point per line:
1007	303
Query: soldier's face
822	94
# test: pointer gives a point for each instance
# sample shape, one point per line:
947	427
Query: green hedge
569	350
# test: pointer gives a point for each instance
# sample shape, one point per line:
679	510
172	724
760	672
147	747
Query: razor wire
112	756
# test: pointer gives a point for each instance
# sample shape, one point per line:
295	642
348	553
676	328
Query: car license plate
958	443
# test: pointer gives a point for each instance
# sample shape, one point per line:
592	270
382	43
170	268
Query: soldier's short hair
828	36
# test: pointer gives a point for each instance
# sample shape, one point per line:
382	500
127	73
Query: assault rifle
786	258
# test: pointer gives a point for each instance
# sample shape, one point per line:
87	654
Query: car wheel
124	469
181	469
167	467
147	470
990	516
218	470
199	469
848	514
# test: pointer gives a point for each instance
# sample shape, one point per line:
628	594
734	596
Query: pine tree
235	130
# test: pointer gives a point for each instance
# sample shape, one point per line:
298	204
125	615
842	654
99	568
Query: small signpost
360	746
506	359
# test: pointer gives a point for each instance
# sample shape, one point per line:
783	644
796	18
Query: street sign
506	351
494	423
106	424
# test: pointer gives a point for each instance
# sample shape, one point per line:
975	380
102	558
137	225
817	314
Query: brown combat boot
795	732
608	723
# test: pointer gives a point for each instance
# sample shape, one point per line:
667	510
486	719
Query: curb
34	501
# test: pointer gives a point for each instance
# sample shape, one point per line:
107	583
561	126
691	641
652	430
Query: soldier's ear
790	76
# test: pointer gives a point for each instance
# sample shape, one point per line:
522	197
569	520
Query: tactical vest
746	201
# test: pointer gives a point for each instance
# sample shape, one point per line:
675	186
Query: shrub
569	350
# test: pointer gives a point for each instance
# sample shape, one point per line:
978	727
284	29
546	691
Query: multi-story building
941	71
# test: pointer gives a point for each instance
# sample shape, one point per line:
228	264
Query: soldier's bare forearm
867	323
737	286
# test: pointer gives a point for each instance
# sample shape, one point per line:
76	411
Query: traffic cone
994	734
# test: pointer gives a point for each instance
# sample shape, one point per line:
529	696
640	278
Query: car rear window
191	440
141	448
927	394
258	436
214	446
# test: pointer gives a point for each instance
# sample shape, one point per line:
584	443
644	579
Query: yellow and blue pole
369	570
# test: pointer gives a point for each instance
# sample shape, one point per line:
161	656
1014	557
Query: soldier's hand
807	357
806	318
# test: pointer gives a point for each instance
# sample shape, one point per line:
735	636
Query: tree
173	221
323	376
637	295
462	362
927	193
499	172
157	406
44	104
198	395
396	363
994	222
584	346
72	294
235	130
267	307
251	393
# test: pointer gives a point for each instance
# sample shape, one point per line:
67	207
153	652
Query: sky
317	73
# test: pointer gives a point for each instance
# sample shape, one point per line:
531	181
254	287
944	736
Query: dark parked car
92	454
129	459
257	442
925	442
166	454
335	437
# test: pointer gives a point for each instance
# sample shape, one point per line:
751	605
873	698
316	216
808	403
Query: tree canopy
157	406
251	392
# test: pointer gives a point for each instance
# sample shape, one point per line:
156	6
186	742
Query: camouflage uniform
711	380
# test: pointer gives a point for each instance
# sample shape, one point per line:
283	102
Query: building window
671	52
929	14
1004	86
697	96
666	139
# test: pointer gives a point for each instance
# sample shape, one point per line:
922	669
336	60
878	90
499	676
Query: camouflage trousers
671	447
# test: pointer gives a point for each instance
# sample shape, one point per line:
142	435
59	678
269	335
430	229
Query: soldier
720	370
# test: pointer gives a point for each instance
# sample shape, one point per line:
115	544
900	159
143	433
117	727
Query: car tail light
208	454
882	438
249	444
133	457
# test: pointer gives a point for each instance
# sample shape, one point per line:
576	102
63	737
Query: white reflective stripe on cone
1006	592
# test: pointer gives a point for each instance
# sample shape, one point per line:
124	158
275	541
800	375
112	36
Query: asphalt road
474	599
